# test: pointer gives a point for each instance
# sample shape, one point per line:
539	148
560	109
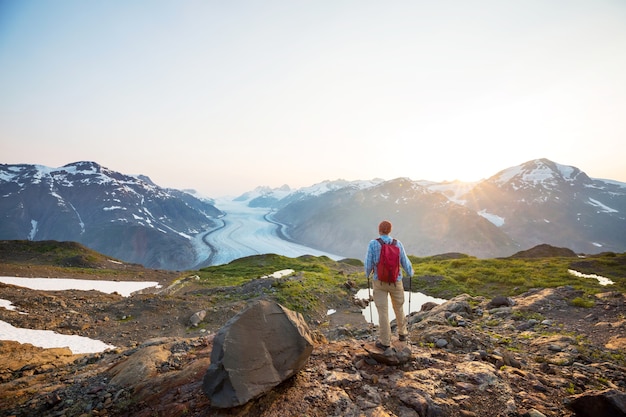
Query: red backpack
388	266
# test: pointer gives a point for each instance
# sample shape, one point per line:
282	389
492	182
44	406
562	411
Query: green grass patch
243	270
315	283
583	302
525	315
320	278
490	277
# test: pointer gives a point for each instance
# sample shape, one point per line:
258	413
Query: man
383	290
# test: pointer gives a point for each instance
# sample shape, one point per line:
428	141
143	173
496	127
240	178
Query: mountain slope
132	219
520	207
128	218
541	201
427	222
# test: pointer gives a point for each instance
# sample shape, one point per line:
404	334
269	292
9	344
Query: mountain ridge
132	218
537	202
127	217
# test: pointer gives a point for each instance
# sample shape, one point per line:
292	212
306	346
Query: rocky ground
529	356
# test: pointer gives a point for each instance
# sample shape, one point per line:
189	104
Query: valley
132	219
245	231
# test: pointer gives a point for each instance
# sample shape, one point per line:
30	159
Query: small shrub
521	315
582	302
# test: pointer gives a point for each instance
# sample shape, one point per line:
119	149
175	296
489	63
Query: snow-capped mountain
280	197
264	196
427	222
520	207
126	217
541	201
133	219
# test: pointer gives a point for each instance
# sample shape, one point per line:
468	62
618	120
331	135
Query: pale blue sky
222	96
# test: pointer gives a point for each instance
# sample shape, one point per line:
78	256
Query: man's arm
370	260
405	262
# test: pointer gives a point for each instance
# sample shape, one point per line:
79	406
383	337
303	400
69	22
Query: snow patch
603	208
493	218
33	230
601	280
124	288
80	220
280	274
413	302
48	339
566	171
7	304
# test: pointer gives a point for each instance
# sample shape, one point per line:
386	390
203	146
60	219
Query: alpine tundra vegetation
517	336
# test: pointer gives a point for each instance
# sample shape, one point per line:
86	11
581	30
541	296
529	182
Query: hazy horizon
224	97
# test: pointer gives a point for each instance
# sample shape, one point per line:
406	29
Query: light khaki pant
382	292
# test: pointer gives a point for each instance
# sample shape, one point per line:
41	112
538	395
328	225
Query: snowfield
49	339
124	288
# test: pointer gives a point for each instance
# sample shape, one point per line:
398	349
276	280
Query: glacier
246	231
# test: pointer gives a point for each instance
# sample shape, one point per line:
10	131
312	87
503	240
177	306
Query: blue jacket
373	256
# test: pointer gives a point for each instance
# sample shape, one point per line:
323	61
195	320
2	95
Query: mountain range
520	207
132	219
126	217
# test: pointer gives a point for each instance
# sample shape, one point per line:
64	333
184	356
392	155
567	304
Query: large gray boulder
255	351
610	402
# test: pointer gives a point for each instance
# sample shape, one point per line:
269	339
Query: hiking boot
402	338
381	346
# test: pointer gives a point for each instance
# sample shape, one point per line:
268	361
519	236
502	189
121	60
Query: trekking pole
410	291
369	301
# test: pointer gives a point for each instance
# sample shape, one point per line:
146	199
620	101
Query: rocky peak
539	173
85	167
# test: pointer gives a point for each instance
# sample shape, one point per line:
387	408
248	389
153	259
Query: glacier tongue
247	231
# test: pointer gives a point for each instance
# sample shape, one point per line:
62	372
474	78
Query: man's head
384	228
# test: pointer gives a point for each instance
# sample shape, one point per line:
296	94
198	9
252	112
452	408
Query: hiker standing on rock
384	257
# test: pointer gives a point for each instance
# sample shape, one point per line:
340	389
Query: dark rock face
500	301
255	351
609	402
